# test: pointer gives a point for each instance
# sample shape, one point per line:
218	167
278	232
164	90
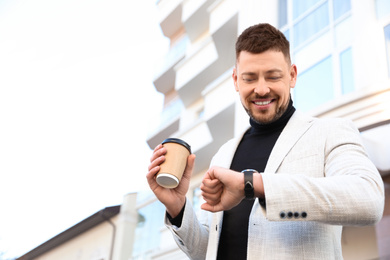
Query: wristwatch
248	181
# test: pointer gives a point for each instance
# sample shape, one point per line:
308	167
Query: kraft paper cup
172	169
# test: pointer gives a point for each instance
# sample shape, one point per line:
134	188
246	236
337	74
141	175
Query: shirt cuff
176	221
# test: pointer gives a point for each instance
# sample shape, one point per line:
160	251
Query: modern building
342	51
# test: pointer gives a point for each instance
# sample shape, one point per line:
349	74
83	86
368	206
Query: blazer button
290	214
304	214
282	214
296	214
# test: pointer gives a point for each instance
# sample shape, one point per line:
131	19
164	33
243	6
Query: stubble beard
264	120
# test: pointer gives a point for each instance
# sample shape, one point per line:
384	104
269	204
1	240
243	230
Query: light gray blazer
317	179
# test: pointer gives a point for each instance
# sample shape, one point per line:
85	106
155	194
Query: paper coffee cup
172	169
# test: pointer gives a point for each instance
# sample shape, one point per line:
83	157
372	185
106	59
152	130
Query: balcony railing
171	111
165	74
167	124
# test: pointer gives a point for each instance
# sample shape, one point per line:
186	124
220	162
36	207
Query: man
311	175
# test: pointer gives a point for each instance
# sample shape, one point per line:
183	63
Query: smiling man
263	81
286	186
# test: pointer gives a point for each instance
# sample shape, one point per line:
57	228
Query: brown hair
260	38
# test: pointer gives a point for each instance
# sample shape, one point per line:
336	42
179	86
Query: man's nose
261	88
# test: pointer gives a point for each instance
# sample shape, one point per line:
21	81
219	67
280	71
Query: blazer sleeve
326	177
192	236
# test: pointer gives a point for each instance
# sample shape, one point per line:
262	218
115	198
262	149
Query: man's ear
293	75
234	76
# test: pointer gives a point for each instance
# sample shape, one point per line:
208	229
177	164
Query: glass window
147	232
287	34
177	50
301	6
172	110
382	8
314	86
346	67
311	24
282	13
387	42
340	7
197	200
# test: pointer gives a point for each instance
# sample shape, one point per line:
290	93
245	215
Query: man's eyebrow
274	71
249	73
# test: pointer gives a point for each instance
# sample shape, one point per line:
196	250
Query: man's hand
173	199
222	189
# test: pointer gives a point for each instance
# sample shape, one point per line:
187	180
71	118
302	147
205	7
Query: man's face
263	81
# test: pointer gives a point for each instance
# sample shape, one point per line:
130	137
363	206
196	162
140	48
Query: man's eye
248	79
274	78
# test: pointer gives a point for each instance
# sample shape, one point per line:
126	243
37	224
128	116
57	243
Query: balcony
195	72
221	129
224	35
207	136
196	17
216	126
221	12
169	123
218	95
164	80
170	16
213	58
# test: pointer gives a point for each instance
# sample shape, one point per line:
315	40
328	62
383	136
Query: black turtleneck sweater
252	153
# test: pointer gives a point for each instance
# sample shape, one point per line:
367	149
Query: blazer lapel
294	129
224	157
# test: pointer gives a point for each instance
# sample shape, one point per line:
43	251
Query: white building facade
342	51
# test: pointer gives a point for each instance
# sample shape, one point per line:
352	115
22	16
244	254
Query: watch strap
248	184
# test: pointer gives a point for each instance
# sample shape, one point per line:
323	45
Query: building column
126	225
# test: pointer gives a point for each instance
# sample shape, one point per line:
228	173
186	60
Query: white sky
76	104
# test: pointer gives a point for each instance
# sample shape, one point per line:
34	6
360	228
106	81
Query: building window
311	24
301	6
340	7
282	13
314	86
147	232
171	110
287	34
200	113
320	23
197	200
309	18
382	8
387	42
346	71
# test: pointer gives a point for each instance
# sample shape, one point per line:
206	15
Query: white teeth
262	103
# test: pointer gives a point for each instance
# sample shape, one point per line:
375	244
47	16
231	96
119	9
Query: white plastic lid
167	180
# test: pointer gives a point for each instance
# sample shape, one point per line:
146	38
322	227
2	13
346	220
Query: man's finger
211	208
211	196
206	187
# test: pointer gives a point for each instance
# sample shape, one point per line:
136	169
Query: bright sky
76	104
